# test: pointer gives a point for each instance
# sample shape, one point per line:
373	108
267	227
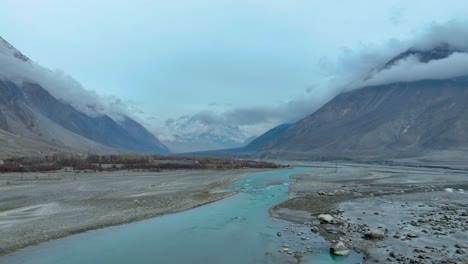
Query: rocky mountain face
191	134
388	120
30	112
392	120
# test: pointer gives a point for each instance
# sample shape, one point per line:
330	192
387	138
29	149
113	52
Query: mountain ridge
30	111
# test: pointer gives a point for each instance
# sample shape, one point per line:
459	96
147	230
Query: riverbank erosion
36	207
391	214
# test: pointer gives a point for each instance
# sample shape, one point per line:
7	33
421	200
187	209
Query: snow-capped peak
192	134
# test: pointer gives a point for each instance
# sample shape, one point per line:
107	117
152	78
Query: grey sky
170	58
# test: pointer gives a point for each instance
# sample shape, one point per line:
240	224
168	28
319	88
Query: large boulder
325	219
374	234
339	249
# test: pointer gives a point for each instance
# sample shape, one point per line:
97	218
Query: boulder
325	219
461	245
395	254
339	249
374	234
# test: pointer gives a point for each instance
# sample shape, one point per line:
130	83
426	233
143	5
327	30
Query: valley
234	132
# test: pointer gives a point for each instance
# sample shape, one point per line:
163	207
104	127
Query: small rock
279	234
314	229
339	249
461	245
395	254
460	251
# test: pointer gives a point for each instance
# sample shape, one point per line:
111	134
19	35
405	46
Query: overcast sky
171	58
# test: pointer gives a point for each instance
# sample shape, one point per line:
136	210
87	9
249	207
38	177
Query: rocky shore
389	214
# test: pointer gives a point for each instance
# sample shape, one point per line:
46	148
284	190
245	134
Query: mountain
31	113
441	51
192	134
387	120
393	120
260	142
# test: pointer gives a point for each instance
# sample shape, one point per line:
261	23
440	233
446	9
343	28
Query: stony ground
35	207
420	213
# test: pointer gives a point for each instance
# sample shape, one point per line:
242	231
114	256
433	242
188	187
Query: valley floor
36	207
422	212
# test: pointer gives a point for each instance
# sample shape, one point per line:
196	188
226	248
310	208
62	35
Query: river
235	230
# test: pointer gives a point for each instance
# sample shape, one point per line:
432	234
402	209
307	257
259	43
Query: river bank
37	207
421	212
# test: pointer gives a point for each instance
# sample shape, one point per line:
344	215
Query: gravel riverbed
36	207
390	214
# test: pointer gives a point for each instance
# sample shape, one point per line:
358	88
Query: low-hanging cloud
453	32
411	69
57	83
354	69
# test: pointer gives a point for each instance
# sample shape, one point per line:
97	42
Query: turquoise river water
235	230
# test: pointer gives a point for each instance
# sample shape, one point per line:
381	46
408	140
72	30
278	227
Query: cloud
454	32
397	16
208	117
354	69
60	85
411	69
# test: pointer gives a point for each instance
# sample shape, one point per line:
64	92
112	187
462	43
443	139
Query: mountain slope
148	142
30	111
260	142
393	120
396	119
12	145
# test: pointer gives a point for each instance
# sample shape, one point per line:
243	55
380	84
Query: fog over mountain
359	68
353	68
19	68
50	112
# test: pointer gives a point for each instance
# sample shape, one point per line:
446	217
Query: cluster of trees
125	162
